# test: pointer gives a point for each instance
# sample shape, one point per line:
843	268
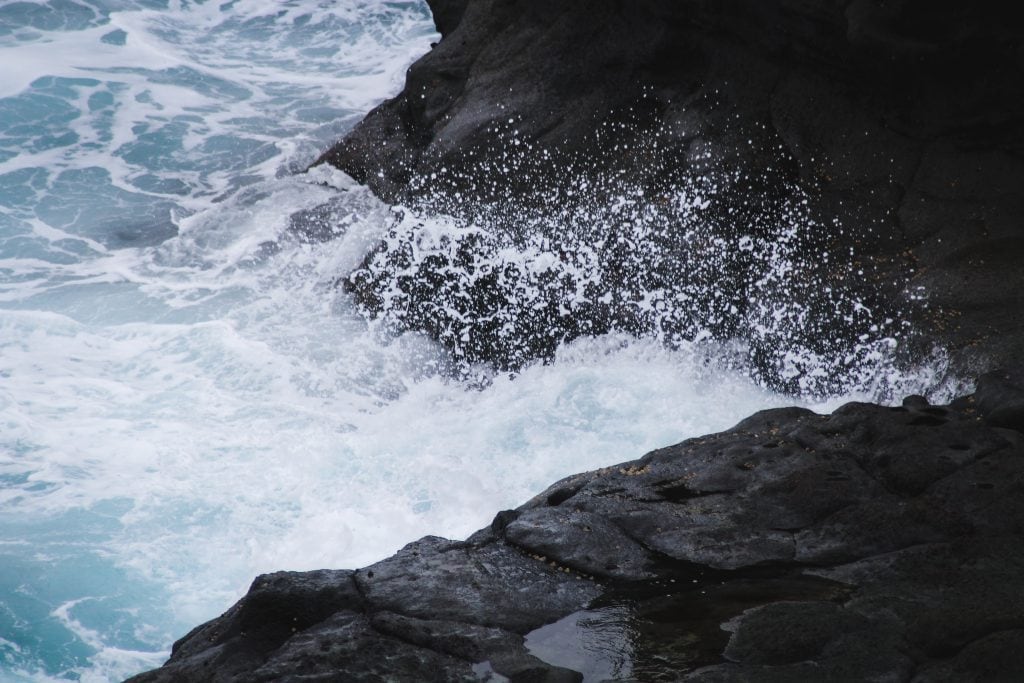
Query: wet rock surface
900	122
875	543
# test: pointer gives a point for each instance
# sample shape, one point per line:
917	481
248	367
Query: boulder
875	543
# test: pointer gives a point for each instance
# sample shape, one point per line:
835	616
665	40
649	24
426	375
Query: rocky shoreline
876	543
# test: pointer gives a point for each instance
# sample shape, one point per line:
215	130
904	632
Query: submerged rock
875	543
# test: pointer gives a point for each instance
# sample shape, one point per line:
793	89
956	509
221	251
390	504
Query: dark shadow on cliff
901	125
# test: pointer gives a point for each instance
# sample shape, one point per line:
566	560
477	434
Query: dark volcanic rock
902	121
1000	398
874	543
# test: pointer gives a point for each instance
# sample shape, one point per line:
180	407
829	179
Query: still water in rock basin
186	400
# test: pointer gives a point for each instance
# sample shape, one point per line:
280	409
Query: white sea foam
155	396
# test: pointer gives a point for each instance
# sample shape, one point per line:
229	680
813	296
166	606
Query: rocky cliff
890	134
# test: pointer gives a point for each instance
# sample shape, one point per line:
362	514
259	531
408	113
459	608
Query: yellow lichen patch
633	470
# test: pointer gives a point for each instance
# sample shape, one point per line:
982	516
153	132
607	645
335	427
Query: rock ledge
875	543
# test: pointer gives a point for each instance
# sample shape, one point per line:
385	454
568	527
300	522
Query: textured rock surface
874	543
904	120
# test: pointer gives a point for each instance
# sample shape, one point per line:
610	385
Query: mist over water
187	399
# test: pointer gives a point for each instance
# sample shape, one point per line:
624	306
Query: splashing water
187	399
670	252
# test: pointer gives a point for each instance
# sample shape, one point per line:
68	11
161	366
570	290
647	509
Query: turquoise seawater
186	400
122	124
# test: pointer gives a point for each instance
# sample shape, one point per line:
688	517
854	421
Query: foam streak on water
186	398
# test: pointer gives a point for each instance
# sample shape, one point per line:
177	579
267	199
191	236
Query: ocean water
186	398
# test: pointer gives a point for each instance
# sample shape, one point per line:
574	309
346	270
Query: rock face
874	543
902	121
